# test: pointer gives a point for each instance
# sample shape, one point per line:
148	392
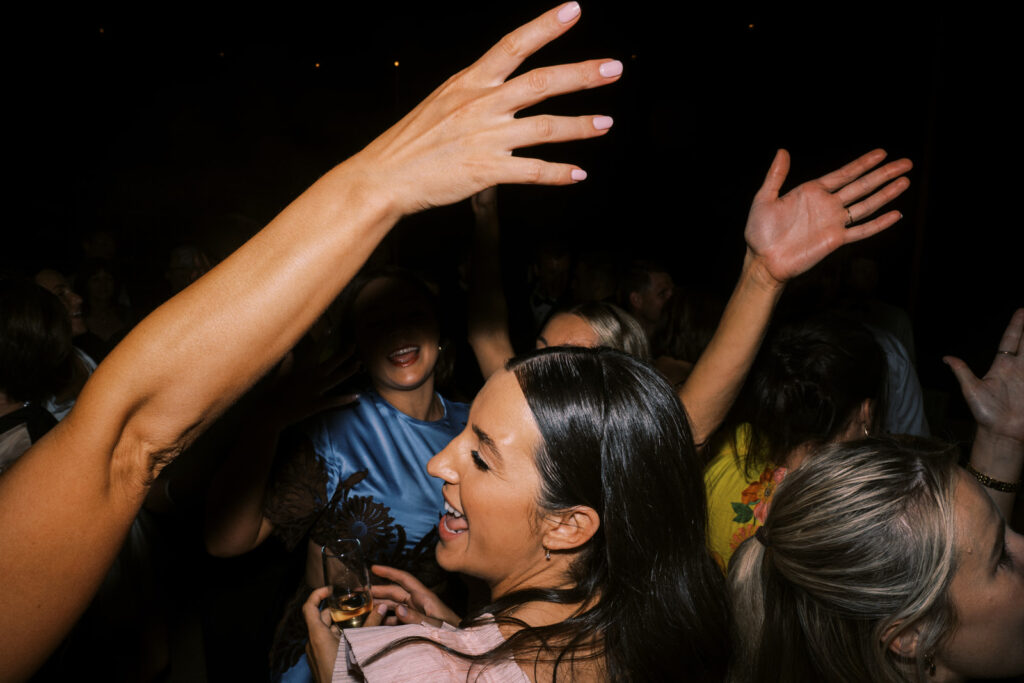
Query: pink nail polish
578	174
382	610
603	122
612	68
402	611
569	12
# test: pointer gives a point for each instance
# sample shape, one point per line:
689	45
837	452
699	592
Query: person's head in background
815	382
35	342
644	290
57	284
593	324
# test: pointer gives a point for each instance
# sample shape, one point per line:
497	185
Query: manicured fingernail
569	12
402	611
382	610
578	174
612	68
603	122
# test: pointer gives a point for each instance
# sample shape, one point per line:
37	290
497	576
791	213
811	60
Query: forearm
1001	458
488	309
712	387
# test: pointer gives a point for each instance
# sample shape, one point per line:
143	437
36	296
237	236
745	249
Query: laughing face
492	527
397	334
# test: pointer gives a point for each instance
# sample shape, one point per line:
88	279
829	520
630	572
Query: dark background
172	124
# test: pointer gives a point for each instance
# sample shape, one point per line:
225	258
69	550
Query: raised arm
488	310
997	404
786	236
67	503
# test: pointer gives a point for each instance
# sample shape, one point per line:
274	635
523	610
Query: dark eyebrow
487	441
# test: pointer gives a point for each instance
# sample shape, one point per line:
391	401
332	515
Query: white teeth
403	351
451	511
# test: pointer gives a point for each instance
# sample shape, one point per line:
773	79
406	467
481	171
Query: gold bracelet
985	480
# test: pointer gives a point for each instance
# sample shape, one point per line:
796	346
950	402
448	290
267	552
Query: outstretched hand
997	399
792	233
460	139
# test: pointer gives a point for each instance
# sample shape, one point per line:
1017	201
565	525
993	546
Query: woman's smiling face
493	527
397	334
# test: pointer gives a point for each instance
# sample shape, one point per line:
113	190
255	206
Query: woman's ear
867	407
571	528
904	643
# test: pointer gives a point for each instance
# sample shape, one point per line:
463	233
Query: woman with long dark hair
574	494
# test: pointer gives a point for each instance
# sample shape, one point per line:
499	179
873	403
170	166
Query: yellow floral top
737	504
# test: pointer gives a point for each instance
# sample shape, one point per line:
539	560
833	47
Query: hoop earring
547	554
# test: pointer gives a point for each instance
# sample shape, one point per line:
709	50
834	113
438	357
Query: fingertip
568	12
611	68
577	175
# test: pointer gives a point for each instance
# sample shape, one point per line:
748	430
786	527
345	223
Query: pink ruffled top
423	661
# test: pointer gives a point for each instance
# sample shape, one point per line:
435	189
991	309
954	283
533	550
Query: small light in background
396	62
317	65
101	29
750	26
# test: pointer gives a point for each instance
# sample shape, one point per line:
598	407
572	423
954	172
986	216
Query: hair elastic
762	535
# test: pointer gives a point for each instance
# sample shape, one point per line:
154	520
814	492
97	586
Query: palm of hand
996	400
794	232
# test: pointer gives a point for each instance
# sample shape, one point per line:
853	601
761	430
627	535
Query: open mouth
453	521
405	356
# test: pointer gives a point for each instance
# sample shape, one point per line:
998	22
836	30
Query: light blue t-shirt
393	449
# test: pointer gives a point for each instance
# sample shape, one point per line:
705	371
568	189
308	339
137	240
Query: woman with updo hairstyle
880	560
814	383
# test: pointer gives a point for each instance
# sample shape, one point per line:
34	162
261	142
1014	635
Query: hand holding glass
346	572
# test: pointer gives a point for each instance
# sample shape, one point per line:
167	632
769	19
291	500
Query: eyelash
478	461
